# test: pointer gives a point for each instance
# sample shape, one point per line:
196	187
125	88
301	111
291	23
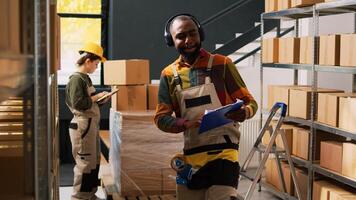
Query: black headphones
167	34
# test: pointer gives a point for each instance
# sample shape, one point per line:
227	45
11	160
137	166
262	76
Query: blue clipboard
216	118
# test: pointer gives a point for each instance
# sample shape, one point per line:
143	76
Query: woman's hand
99	95
195	123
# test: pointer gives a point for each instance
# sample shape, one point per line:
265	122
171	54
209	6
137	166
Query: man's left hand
238	115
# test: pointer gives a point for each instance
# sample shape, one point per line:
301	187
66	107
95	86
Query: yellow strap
200	159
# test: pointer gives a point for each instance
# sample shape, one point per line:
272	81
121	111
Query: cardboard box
280	93
287	178
336	193
268	171
346	197
331	155
152	96
306	50
271	5
321	190
130	97
12	171
347	50
126	72
272	176
10	23
348	160
329	51
55	40
324	190
287	130
301	142
289	50
140	154
270	50
302	3
300	101
284	4
302	179
346	115
328	107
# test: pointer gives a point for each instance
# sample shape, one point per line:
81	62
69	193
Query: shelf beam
334	175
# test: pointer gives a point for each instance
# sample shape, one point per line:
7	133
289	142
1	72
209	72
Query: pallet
112	194
152	197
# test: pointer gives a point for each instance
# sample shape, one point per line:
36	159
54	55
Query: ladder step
248	177
262	149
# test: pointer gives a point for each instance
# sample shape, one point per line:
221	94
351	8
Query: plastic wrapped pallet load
140	154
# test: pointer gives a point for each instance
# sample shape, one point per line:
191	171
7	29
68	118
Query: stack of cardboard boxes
334	50
333	151
140	153
334	107
276	5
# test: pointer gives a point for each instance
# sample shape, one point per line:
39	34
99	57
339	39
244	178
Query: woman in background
84	127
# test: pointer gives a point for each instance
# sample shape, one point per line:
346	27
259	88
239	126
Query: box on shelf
326	190
329	51
55	40
346	197
270	50
272	176
301	142
126	72
280	93
306	48
140	154
302	3
12	170
283	4
300	101
347	50
328	107
302	179
331	155
346	115
271	5
130	97
289	50
285	129
10	23
338	193
152	96
348	160
320	190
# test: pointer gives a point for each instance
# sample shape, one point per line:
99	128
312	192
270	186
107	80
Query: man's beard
190	57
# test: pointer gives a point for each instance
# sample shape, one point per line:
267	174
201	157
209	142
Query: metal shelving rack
314	12
40	104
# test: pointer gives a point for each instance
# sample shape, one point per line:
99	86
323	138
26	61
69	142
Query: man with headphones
195	82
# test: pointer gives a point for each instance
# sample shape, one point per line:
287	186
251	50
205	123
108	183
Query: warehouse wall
136	27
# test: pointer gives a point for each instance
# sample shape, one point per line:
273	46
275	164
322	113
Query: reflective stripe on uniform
200	159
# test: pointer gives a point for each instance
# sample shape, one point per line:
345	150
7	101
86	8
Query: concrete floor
263	195
65	192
